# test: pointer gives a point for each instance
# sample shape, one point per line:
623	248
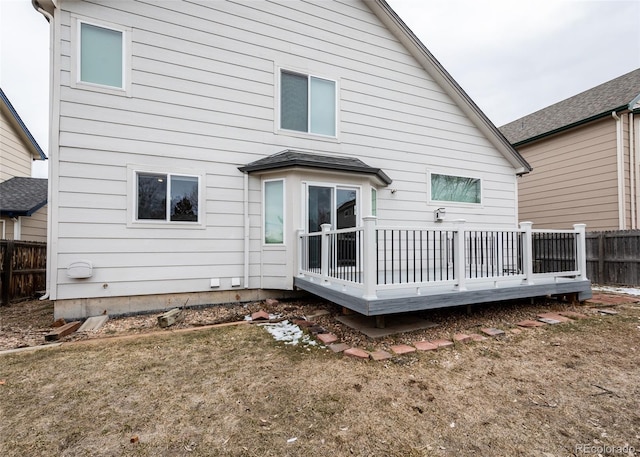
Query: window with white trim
101	58
167	197
460	189
274	212
307	103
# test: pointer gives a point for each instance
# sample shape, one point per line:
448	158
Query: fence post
370	267
325	244
459	259
527	252
581	250
6	277
600	279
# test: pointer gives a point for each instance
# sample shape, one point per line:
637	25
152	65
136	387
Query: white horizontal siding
203	98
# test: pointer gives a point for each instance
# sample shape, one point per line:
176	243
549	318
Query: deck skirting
413	299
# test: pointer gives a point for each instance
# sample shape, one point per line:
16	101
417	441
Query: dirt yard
566	389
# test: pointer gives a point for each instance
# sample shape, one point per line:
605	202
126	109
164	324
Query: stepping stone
357	353
339	347
530	324
573	314
260	315
462	338
475	337
93	323
402	349
380	355
327	338
425	346
548	320
610	312
316	330
554	316
317	313
304	323
442	343
515	331
492	331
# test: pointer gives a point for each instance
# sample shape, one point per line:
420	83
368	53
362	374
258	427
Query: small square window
101	56
167	197
307	104
459	189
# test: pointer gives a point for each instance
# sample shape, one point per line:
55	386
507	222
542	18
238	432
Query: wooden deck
422	298
385	270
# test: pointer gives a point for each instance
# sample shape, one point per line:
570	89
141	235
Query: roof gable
12	115
431	65
618	94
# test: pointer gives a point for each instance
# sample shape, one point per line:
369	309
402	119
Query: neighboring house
197	145
23	211
585	153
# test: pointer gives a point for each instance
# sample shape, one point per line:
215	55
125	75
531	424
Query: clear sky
513	57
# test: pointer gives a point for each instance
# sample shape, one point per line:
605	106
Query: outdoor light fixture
439	214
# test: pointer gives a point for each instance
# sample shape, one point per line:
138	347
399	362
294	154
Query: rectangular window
101	55
460	189
167	197
307	104
274	212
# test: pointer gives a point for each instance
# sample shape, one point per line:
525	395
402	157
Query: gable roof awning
616	95
296	159
22	196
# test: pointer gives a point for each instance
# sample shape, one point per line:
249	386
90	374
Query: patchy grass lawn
235	391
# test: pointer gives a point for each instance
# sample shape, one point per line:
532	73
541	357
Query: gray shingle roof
22	196
289	158
589	105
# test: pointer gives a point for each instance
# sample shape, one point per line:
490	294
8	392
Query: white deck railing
374	258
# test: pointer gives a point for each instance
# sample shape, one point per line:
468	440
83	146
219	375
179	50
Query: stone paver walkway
332	342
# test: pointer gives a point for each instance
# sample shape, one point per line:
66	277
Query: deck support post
370	266
581	250
325	244
527	252
459	259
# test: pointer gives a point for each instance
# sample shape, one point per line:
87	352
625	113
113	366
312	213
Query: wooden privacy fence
23	267
613	258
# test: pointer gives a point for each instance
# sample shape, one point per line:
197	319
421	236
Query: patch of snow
288	333
619	290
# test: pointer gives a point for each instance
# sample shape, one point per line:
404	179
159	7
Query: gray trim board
397	303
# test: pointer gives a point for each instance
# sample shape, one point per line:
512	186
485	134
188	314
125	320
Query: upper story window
167	197
101	55
459	189
307	104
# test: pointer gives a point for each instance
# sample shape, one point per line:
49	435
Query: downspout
52	70
632	173
620	168
246	230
